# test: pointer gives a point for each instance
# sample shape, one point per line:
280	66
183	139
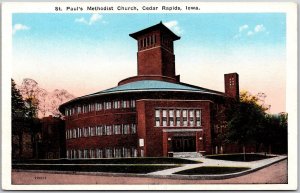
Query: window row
116	152
98	106
147	41
101	130
178	117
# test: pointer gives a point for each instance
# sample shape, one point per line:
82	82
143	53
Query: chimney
232	85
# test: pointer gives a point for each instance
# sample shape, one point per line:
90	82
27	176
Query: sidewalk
254	165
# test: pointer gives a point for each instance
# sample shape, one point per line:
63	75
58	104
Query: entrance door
184	144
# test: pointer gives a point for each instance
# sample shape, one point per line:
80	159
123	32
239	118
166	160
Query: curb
172	176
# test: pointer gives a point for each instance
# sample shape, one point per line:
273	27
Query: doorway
184	144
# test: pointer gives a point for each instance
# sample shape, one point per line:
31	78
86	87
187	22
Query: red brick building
152	114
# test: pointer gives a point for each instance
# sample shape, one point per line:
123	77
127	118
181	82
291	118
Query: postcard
149	96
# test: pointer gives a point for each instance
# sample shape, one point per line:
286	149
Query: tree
30	91
18	107
245	120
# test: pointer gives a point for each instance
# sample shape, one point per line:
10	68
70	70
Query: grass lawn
113	165
239	157
153	160
211	170
137	169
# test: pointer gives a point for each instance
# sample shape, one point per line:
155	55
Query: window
198	118
171	118
99	130
68	154
108	130
85	132
164	118
74	153
92	153
184	117
117	152
134	152
92	131
132	103
125	104
126	152
99	153
79	109
108	153
126	129
79	154
85	153
117	129
78	132
157	118
74	133
178	118
89	131
133	128
116	105
98	106
66	134
107	105
191	117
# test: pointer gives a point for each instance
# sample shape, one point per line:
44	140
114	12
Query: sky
87	53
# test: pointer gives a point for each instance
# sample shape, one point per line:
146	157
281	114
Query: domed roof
150	86
153	85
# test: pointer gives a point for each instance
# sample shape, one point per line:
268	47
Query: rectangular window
133	128
134	152
117	129
89	131
74	153
108	153
116	105
126	152
98	106
79	109
85	153
92	131
132	103
191	118
79	154
92	153
184	117
85	132
99	130
74	133
164	118
108	130
78	132
198	118
107	105
178	118
68	154
125	104
157	118
171	118
126	129
99	153
66	134
117	152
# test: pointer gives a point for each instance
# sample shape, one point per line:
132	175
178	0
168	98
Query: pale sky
86	53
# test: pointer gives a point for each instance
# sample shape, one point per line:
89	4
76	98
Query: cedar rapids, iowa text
129	8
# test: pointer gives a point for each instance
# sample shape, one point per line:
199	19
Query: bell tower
155	56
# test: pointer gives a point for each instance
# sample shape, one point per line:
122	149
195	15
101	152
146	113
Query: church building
152	114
